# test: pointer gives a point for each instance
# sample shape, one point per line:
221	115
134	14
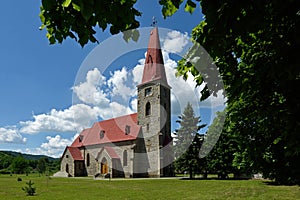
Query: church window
125	158
67	168
127	130
102	134
148	91
88	160
150	60
147	127
80	138
67	156
165	92
148	109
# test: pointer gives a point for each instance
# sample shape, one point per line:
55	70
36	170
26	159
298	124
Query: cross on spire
154	22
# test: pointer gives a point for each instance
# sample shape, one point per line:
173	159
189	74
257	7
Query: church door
104	166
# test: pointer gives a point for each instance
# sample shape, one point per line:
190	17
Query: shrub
29	190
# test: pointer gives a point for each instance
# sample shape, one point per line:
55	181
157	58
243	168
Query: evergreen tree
188	142
42	165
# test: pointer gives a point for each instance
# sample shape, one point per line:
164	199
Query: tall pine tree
188	142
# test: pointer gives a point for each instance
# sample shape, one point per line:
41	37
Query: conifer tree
188	142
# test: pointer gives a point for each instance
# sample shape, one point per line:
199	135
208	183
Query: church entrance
104	166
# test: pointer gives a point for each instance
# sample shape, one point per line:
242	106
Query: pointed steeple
154	70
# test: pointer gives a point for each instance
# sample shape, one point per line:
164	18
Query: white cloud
11	135
137	71
75	118
56	142
175	42
121	84
54	146
90	91
119	90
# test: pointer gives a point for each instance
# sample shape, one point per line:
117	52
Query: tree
188	142
5	160
220	154
42	165
29	189
19	165
78	19
255	46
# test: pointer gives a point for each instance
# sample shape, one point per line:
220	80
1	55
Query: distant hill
8	158
26	156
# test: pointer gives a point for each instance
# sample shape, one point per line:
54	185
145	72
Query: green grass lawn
88	188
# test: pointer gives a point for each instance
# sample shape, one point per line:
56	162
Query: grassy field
88	188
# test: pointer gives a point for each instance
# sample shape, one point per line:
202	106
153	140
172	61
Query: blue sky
37	80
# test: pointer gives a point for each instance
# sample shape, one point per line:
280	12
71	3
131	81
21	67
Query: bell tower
154	110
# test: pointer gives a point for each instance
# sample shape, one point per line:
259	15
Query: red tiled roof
113	130
154	70
75	153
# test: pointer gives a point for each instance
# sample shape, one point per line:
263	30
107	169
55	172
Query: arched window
88	160
148	109
149	60
125	158
67	168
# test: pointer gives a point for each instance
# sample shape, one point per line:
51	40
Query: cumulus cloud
72	119
121	84
90	91
11	135
175	42
53	147
56	142
137	71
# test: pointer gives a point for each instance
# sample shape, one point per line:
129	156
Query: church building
134	145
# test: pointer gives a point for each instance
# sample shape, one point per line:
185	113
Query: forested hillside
18	163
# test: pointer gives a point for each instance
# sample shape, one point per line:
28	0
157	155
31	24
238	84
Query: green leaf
135	35
169	8
122	2
190	6
66	3
76	7
276	140
42	18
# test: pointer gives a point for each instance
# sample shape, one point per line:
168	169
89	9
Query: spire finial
154	22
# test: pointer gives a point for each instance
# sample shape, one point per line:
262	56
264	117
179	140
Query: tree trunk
191	173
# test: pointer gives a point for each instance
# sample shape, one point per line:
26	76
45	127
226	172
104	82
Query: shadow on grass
214	178
274	183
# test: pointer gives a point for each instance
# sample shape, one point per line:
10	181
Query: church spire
154	70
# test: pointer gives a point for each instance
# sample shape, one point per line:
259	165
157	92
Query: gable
110	152
74	152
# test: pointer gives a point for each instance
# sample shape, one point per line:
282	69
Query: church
134	145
